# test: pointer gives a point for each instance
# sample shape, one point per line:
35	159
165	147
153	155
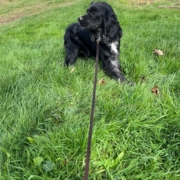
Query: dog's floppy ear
112	30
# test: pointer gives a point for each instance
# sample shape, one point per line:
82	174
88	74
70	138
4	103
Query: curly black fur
79	39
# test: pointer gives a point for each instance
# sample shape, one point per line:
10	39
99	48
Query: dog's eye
92	13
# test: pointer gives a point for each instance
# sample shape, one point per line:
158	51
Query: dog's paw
125	81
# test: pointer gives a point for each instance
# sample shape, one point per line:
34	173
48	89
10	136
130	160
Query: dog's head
100	16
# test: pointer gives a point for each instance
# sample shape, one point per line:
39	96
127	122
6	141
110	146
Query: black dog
80	38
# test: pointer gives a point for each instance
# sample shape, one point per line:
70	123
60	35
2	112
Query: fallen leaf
101	81
155	90
31	140
72	70
37	161
158	52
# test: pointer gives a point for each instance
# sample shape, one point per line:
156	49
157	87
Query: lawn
45	107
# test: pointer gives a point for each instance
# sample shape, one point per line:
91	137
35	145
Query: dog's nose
80	18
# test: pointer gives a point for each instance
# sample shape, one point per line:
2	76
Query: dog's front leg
112	67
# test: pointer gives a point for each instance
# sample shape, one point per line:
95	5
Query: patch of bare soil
147	2
4	1
28	11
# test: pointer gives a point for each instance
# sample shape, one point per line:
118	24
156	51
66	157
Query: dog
99	22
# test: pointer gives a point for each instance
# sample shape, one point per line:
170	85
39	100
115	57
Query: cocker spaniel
100	22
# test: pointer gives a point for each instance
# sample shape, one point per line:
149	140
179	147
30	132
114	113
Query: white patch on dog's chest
114	47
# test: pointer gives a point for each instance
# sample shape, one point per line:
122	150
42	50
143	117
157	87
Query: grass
45	109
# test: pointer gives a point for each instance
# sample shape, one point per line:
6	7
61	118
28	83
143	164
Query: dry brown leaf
101	81
155	90
158	52
72	70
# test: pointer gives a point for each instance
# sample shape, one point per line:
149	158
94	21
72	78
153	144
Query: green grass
45	109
